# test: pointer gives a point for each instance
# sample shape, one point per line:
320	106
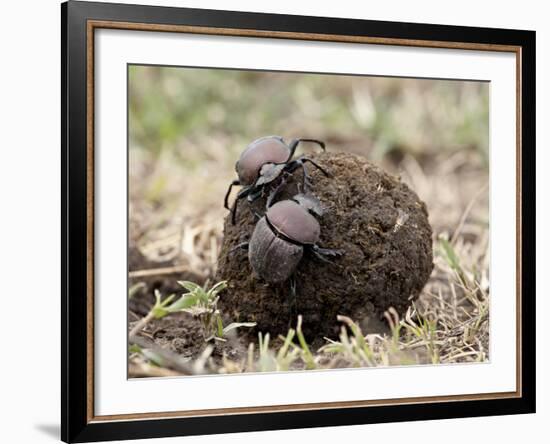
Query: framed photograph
275	221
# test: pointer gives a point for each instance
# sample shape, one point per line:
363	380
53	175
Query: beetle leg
255	213
300	163
320	253
253	196
328	251
293	166
320	168
243	193
225	201
234	212
321	257
274	192
293	303
295	142
306	183
241	246
305	178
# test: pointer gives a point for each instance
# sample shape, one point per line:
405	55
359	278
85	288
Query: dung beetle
264	161
283	234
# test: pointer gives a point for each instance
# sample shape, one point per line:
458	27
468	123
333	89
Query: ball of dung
380	224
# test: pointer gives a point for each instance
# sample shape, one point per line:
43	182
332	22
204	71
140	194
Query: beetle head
269	172
310	203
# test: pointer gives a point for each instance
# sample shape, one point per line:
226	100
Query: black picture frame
77	424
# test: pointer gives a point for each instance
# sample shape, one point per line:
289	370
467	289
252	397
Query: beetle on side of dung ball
287	230
263	162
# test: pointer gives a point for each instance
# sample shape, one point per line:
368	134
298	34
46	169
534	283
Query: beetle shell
294	221
272	258
269	149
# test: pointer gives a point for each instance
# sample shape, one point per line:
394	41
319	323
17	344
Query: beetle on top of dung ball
265	161
289	228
